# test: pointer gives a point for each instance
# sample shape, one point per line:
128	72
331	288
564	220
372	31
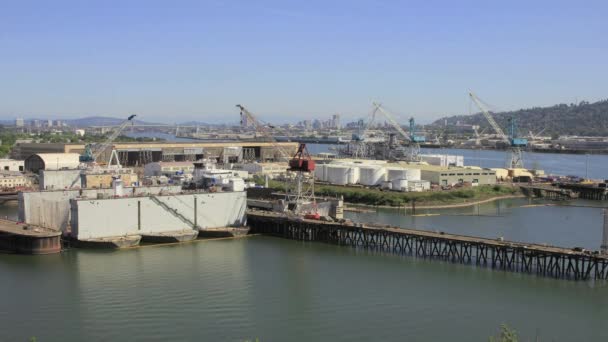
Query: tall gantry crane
300	191
360	146
515	158
412	140
93	151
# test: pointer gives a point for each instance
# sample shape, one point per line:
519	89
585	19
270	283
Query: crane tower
515	157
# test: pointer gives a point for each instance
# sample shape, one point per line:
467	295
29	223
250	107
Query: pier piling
548	261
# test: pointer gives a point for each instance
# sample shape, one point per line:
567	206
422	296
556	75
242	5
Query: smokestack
604	247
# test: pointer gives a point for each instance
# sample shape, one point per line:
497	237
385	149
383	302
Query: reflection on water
514	219
281	290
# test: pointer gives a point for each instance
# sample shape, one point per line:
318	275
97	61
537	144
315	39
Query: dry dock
529	258
28	239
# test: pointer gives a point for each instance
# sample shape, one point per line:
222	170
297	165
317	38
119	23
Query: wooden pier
586	191
566	191
547	191
536	259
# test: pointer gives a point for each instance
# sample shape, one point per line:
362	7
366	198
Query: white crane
515	155
413	147
264	130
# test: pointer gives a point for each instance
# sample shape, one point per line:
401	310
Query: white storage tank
337	174
320	172
393	173
371	175
353	174
400	184
413	174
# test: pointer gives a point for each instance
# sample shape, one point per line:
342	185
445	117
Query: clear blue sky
289	60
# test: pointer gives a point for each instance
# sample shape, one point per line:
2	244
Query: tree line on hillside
589	119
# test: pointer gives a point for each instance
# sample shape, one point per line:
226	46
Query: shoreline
438	206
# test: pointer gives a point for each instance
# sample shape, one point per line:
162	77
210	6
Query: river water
280	290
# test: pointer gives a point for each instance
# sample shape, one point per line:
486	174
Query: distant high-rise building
36	123
49	123
307	124
19	122
317	124
335	120
58	123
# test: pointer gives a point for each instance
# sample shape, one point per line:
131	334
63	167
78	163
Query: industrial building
51	161
11	165
95	178
102	178
142	153
270	169
445	160
12	180
457	175
167	168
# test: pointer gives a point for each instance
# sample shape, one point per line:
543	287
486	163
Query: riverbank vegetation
377	197
8	137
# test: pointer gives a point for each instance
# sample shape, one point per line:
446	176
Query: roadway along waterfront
281	290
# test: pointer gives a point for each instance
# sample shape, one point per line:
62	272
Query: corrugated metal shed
52	161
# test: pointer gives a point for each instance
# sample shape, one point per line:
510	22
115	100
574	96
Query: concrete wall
51	209
140	215
60	179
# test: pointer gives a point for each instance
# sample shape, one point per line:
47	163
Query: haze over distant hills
574	119
111	121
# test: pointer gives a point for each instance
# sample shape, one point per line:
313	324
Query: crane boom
98	150
412	153
489	117
93	151
516	156
392	121
300	189
262	129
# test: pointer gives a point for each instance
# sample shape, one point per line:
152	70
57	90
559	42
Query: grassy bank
393	198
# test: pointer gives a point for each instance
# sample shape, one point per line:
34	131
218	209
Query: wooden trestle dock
529	258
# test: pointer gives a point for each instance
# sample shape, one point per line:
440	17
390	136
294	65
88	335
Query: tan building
99	179
12	180
456	175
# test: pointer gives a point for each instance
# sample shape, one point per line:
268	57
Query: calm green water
280	290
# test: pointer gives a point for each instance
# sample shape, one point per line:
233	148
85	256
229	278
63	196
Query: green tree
506	334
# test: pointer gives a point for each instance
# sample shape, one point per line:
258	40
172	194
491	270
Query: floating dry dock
537	259
28	239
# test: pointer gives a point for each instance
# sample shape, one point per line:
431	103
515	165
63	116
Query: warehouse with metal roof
52	161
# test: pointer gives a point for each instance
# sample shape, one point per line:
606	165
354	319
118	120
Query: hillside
582	119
